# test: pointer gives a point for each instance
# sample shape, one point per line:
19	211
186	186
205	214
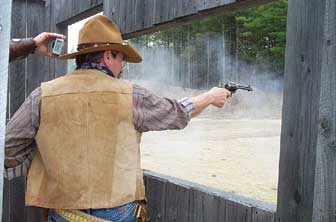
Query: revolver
233	87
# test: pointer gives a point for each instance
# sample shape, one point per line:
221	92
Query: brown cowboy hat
101	34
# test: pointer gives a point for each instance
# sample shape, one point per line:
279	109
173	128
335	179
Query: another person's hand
218	96
42	40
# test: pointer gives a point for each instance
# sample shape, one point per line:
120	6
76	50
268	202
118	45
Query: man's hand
42	40
218	96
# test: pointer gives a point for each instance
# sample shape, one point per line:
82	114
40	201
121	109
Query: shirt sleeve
153	113
20	134
21	49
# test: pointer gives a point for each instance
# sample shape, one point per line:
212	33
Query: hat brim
130	52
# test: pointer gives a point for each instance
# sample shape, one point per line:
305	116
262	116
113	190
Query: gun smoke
168	74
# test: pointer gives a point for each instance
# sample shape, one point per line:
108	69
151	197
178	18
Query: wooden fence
30	17
308	156
171	199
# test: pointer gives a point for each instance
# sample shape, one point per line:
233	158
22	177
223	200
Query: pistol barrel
244	87
233	87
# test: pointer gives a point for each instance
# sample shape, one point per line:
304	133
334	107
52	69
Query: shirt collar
93	65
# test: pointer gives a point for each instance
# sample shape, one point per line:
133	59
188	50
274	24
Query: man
21	48
79	134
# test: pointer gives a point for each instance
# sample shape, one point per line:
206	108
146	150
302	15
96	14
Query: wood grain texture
172	199
307	163
156	198
325	175
37	65
160	14
74	10
17	71
5	33
306	190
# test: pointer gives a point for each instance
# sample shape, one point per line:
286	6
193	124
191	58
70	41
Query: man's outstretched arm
154	113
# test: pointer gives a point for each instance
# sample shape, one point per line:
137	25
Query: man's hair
92	57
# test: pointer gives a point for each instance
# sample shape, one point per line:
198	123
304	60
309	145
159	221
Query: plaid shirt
150	112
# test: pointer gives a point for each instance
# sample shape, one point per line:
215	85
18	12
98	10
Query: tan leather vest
88	149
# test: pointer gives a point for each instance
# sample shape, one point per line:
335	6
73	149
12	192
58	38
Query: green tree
262	35
255	36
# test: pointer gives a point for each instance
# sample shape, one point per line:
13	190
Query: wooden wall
30	17
307	177
139	17
171	199
307	164
72	11
5	26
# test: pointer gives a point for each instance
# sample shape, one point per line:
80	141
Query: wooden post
307	177
5	22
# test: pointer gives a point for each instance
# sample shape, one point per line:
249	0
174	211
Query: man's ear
106	57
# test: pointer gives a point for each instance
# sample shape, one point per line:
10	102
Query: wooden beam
307	174
72	11
159	15
5	27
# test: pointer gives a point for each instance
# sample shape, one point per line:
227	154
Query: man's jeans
123	213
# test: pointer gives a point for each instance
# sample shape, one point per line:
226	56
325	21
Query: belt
80	216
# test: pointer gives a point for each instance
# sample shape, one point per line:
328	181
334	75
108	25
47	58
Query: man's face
114	63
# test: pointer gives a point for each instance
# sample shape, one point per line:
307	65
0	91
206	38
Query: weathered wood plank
237	212
5	32
177	203
37	65
196	205
111	9
204	206
156	198
37	71
204	203
259	215
73	10
160	15
186	7
157	11
130	15
221	208
15	192
6	203
57	67
17	75
65	10
164	11
307	158
325	175
17	95
122	12
149	13
139	15
208	4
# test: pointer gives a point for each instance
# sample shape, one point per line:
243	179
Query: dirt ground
235	149
235	155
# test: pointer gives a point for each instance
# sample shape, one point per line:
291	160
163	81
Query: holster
140	213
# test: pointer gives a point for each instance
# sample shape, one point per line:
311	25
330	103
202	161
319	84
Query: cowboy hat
101	34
